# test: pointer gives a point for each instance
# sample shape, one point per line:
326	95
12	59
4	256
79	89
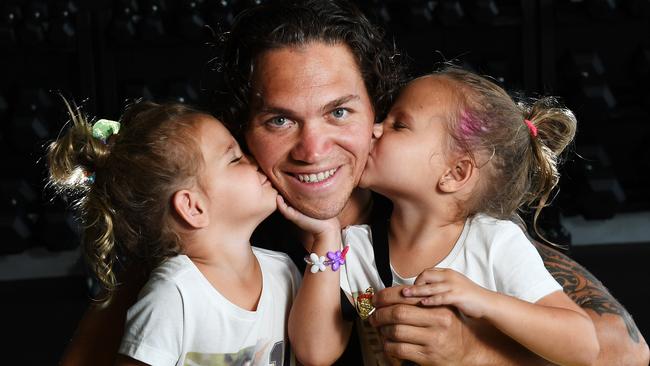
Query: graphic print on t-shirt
265	355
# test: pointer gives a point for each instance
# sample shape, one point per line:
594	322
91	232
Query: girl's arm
554	327
317	331
100	330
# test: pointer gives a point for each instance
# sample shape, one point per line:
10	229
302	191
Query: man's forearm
621	343
493	348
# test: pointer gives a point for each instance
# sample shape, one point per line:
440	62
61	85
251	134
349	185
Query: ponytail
556	128
73	160
120	186
520	142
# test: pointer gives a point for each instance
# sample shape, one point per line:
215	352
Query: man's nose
314	142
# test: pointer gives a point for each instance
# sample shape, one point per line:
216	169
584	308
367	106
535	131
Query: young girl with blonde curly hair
458	158
167	188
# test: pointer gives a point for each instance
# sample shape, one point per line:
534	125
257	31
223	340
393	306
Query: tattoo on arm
583	288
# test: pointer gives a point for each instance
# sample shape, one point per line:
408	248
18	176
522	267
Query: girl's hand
441	286
314	226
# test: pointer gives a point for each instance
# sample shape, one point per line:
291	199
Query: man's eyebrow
340	101
269	109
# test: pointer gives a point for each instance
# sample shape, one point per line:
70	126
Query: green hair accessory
105	128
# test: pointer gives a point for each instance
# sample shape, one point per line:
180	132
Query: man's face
310	125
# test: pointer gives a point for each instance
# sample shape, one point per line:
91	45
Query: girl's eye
236	159
339	113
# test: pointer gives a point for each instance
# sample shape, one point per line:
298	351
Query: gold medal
364	303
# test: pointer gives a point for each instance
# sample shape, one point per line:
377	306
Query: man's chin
319	210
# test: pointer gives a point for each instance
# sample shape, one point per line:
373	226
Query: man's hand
427	336
440	335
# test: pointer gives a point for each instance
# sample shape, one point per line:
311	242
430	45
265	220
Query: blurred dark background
594	55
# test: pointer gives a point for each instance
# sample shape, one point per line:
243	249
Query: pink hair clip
531	127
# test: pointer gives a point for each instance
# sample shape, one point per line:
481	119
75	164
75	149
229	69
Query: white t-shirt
181	319
492	253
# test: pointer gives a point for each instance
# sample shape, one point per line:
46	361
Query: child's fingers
428	289
329	227
444	298
282	206
286	210
282	203
297	217
432	275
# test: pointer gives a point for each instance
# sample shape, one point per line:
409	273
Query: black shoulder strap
277	233
379	224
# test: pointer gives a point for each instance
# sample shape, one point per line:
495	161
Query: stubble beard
322	208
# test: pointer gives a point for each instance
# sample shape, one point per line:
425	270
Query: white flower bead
317	264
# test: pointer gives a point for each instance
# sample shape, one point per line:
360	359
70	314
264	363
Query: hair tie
89	177
531	127
105	128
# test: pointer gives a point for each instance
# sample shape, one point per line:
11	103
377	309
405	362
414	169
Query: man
305	116
309	80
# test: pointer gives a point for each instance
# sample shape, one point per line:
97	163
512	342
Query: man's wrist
485	345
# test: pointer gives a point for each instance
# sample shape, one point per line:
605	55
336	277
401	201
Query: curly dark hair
283	23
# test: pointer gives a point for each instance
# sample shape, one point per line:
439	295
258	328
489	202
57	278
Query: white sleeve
360	269
518	268
296	278
154	325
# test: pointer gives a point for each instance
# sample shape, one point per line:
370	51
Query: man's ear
457	175
377	129
191	207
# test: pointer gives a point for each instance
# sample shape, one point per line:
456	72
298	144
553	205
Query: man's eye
339	112
278	121
397	125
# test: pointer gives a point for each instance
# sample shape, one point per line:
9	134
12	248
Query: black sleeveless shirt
277	233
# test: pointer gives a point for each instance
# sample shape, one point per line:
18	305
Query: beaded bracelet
334	259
